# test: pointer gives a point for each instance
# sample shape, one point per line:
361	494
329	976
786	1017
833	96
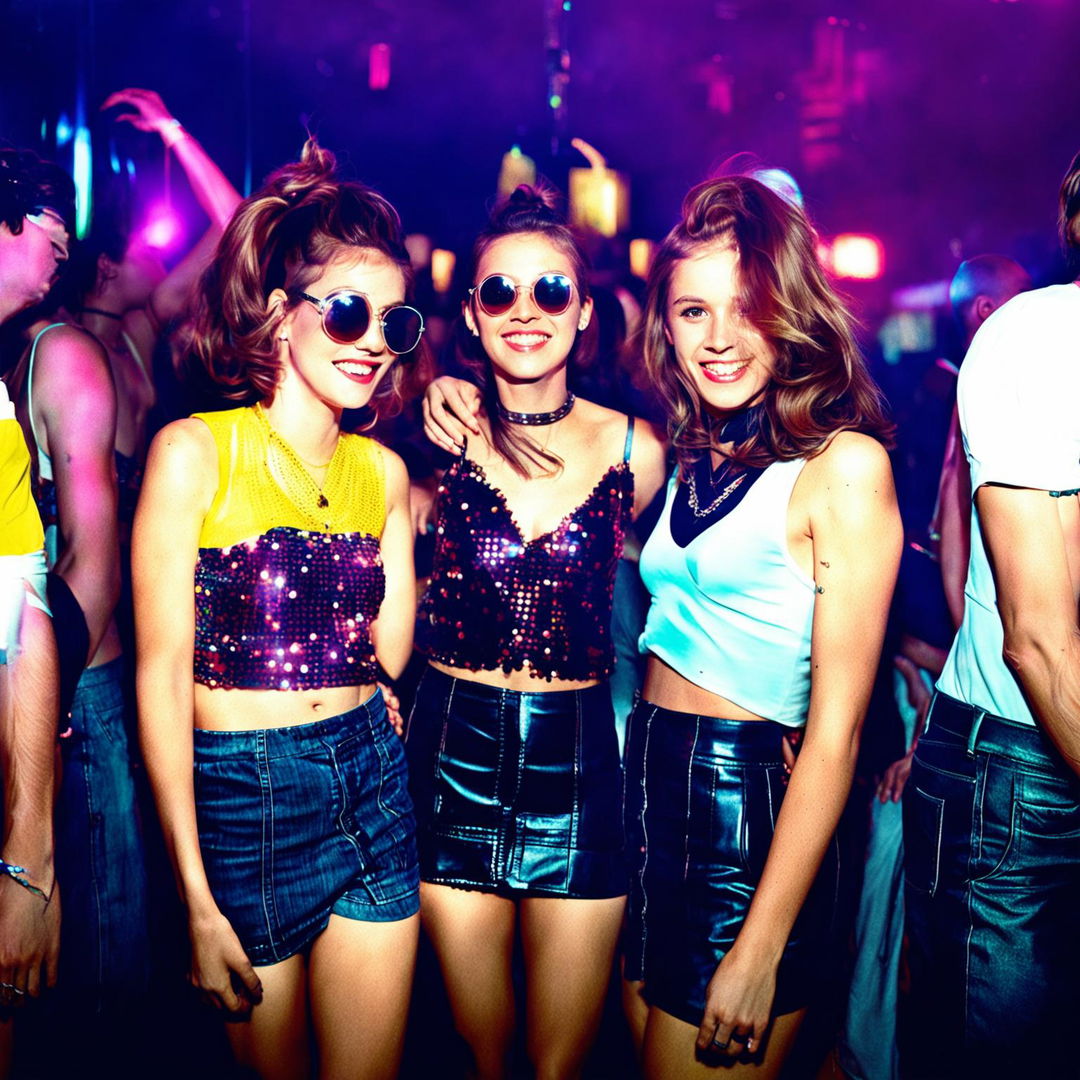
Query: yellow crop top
289	577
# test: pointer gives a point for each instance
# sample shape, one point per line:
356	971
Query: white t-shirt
1019	402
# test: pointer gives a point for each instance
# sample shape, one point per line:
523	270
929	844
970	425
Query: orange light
641	257
442	269
857	256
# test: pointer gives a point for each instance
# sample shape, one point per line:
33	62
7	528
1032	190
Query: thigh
670	1051
569	946
360	975
273	1040
473	936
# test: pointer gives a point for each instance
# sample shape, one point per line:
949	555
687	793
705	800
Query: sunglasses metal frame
327	301
475	292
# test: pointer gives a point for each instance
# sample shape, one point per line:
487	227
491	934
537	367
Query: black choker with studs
535	419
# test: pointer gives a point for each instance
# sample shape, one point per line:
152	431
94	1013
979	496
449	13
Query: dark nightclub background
939	126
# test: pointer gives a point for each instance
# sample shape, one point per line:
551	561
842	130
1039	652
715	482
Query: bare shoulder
607	424
185	451
851	460
70	360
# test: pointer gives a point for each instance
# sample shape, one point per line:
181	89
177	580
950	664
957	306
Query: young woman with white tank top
771	571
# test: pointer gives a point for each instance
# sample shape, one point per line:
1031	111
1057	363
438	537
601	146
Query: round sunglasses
497	293
346	316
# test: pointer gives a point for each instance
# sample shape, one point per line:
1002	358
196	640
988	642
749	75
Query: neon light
130	169
82	173
64	130
163	228
858	257
114	160
44	129
555	100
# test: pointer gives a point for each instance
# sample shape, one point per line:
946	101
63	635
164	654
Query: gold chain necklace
695	505
286	477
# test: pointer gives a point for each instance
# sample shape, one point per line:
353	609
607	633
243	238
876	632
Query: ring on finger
721	1044
740	1036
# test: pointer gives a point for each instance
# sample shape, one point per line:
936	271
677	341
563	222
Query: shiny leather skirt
517	793
702	797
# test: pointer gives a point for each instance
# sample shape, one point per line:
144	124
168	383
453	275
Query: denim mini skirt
702	797
298	823
517	793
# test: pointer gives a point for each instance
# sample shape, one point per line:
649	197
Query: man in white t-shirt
992	808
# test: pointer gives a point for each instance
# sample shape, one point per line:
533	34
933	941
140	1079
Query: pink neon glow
855	256
163	229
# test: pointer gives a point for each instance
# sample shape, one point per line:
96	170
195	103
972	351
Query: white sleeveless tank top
731	612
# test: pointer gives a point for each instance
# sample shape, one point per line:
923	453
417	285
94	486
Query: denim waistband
102	673
984	731
721	737
289	741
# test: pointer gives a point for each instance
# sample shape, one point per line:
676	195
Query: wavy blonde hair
820	383
280	238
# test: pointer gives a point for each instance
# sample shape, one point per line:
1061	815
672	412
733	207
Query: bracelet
172	131
16	874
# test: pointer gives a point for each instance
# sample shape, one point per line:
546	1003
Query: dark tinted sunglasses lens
347	318
496	294
552	293
402	327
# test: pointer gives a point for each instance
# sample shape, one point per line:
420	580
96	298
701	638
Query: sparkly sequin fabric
499	601
289	575
290	610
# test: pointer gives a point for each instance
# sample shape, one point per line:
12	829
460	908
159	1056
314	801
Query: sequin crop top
288	577
499	601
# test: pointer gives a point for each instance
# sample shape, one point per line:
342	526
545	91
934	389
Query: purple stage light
163	228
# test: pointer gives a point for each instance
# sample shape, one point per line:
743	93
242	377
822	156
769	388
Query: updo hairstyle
280	238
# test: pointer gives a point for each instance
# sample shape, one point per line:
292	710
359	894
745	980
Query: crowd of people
614	737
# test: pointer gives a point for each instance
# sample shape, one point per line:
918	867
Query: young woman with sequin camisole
513	755
273	561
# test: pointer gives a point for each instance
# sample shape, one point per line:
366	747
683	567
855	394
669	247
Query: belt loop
976	723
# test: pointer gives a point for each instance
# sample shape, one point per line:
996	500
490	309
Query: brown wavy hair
1069	210
279	238
820	384
526	210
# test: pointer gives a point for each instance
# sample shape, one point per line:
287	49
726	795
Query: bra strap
629	444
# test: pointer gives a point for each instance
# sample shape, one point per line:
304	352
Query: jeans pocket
924	818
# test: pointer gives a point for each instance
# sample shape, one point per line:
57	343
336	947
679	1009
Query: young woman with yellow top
273	561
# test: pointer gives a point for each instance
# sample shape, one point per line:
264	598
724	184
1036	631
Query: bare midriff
521	679
249	710
665	687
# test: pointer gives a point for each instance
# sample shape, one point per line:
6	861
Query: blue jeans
868	1048
104	932
299	823
992	868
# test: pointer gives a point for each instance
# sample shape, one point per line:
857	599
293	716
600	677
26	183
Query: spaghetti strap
30	390
629	444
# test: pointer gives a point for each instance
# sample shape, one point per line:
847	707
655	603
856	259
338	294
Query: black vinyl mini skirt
517	793
702	797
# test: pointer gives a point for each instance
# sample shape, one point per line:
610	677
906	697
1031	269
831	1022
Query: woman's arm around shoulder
180	482
392	631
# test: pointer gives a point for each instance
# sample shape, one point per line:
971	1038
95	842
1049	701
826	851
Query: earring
474	332
283	337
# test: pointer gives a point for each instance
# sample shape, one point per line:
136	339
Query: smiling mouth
357	371
725	371
525	342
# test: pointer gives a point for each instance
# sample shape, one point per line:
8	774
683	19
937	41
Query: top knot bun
528	207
